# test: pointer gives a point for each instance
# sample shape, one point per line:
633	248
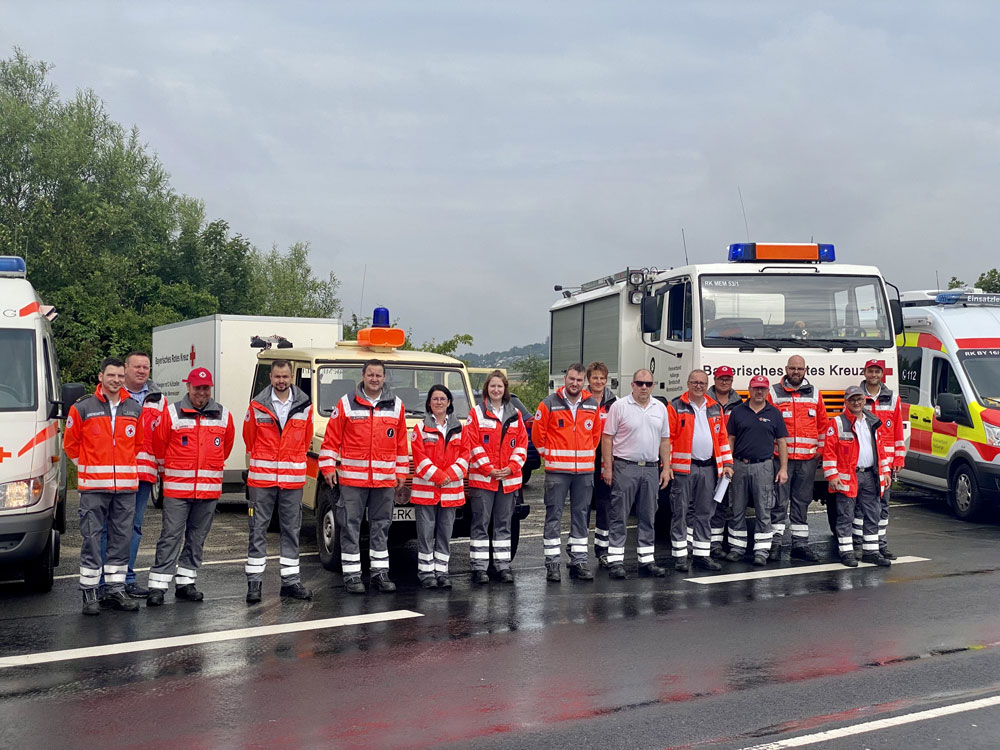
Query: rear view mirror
951	408
650	315
896	312
71	393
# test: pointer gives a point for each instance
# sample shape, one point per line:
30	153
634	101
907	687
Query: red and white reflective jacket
152	409
496	441
841	450
365	442
682	416
440	462
192	446
278	455
887	407
805	418
568	445
104	455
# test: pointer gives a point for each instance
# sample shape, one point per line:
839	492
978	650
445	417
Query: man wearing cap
856	465
756	430
191	442
885	405
801	406
722	392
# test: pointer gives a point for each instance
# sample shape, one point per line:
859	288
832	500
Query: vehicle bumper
988	478
24	537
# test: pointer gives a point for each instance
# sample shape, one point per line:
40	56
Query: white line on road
179	641
828	567
874	726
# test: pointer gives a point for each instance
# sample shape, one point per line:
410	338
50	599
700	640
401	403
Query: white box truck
221	343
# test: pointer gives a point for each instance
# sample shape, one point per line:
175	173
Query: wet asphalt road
674	662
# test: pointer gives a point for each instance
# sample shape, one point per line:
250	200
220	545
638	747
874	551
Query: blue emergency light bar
747	252
967	298
13	266
380	318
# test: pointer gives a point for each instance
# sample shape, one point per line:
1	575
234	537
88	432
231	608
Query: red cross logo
192	355
4	454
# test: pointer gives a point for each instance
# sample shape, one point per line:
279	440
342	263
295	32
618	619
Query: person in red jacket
191	442
103	438
277	431
497	440
440	462
364	449
858	468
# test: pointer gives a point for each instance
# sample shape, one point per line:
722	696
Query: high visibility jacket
440	463
682	416
495	441
366	443
192	447
607	399
568	445
805	418
104	455
152	409
841	450
278	454
889	410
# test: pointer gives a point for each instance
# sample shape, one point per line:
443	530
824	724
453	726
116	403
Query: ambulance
32	465
949	383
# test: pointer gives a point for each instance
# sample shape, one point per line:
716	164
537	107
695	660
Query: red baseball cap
724	370
759	381
199	376
879	363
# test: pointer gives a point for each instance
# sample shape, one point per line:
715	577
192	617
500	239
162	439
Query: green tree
989	281
530	380
956	283
284	284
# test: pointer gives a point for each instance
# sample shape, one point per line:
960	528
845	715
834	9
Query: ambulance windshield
983	368
17	370
824	310
408	383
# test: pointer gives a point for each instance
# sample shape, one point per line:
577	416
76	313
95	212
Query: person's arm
139	439
460	467
830	466
607	457
329	452
161	438
821	423
899	448
666	473
71	436
249	430
402	449
725	449
230	438
538	428
520	454
782	461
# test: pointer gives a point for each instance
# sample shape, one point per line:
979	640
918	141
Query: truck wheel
963	492
327	529
156	494
39	573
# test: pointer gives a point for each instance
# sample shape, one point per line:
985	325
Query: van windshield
409	383
983	368
17	370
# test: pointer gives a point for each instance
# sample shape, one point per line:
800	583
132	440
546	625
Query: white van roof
20	304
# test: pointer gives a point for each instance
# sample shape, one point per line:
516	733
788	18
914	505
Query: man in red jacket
192	441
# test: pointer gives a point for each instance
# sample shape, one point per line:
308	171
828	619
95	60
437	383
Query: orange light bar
787	252
390	338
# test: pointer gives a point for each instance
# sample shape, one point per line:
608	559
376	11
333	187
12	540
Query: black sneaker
760	559
775	554
581	572
887	554
875	559
136	591
652	571
717	553
353	585
849	560
444	582
188	593
428	583
552	574
155	598
681	564
481	577
735	555
804	553
91	604
119	600
706	563
254	591
506	576
295	591
617	571
381	583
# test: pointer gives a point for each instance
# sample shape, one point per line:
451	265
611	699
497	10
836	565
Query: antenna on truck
685	246
746	224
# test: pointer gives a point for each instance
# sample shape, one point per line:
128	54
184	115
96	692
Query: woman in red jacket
440	463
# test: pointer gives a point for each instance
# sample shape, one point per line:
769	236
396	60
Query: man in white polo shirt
636	441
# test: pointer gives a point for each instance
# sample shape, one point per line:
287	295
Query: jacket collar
883	392
734	397
709	401
804	387
506	411
430	423
362	398
212	408
298	398
99	393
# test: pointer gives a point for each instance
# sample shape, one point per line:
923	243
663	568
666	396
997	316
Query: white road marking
46	657
874	726
797	571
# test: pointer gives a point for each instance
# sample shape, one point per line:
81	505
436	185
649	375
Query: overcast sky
474	154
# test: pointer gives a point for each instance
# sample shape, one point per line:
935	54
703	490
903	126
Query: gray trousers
191	521
116	509
434	527
794	496
579	487
868	501
601	504
639	487
751	482
718	522
883	522
263	503
691	508
486	504
353	502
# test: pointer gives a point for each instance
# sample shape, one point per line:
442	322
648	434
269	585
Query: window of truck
982	366
408	383
18	391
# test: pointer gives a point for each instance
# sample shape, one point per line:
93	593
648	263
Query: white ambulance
32	465
949	383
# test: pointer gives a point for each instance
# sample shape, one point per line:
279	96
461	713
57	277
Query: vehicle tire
156	494
661	522
963	492
327	529
39	573
515	536
831	512
525	476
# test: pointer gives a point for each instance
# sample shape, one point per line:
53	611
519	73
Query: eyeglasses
643	383
698	384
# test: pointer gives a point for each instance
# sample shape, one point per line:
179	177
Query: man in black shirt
755	428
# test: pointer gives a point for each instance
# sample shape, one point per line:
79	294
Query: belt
866	469
638	463
753	460
705	462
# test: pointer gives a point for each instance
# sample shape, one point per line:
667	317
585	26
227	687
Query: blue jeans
141	501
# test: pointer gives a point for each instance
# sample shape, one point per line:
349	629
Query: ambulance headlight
992	434
21	494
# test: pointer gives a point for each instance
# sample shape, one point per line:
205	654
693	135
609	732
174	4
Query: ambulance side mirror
896	313
650	315
70	394
951	407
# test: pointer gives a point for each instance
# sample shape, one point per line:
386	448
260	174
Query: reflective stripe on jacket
841	450
887	407
152	409
682	416
105	457
568	445
192	447
278	455
494	442
440	462
805	418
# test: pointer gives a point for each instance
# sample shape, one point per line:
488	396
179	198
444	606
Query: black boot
91	605
120	600
803	552
775	554
381	583
353	585
506	576
481	577
581	572
886	553
875	559
444	582
681	564
253	591
706	563
848	559
652	570
617	571
188	593
155	598
552	574
295	591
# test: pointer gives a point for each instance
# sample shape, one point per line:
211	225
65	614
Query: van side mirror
951	407
650	315
70	394
896	313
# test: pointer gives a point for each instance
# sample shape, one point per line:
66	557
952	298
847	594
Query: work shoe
428	583
804	553
849	560
681	564
717	553
760	559
602	561
858	550
91	604
480	576
294	591
875	559
353	585
155	598
253	591
119	600
886	553
552	574
652	571
444	582
506	576
136	591
735	555
775	554
188	593
381	583
581	571
707	563
617	571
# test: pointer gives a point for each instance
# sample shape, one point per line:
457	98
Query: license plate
403	514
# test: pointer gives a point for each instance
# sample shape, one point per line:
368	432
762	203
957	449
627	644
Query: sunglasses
643	383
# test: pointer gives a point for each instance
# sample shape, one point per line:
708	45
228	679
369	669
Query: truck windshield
983	368
409	383
17	370
805	310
